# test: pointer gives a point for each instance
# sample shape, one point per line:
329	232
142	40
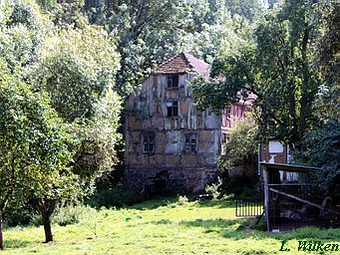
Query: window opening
227	113
190	143
148	142
172	108
172	81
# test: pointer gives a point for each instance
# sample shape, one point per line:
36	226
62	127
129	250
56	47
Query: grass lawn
163	226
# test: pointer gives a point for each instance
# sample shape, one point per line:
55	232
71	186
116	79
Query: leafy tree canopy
96	152
151	31
34	149
71	72
278	68
22	32
77	67
321	148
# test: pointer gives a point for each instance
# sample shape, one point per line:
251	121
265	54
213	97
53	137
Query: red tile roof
183	63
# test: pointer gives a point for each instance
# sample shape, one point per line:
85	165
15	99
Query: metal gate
249	207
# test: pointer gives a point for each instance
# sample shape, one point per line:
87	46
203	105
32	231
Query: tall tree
320	148
278	69
151	31
213	26
328	57
21	33
246	8
34	150
99	138
77	67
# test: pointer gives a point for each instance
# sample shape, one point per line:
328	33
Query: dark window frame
172	108
227	113
173	81
148	142
190	142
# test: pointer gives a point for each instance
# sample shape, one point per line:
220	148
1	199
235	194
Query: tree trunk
2	209
47	208
305	81
2	246
47	228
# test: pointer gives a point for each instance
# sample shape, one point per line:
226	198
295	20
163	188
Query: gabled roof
183	63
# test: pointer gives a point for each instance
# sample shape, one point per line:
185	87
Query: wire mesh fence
292	206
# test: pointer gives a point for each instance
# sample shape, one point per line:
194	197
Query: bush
71	214
66	215
22	217
261	225
182	200
63	215
36	220
320	148
113	197
226	189
241	148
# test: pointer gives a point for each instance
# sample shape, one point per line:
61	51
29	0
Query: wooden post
266	195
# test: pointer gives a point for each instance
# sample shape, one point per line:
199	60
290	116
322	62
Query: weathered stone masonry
169	144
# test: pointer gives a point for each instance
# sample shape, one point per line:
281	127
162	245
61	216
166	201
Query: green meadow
162	226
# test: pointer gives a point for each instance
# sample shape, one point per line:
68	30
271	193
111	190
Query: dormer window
172	81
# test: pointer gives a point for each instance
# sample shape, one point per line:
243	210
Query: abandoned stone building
169	144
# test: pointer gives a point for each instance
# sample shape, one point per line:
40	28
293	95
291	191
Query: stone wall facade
167	178
169	144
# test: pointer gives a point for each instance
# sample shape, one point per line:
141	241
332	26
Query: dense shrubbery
63	215
320	148
240	187
22	217
241	148
260	224
113	197
106	196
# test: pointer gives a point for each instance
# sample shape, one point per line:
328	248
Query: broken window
224	141
225	137
190	143
172	108
172	81
227	113
148	143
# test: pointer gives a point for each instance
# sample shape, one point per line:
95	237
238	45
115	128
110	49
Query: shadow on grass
227	228
308	233
173	201
220	223
161	222
238	229
154	203
216	203
15	243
